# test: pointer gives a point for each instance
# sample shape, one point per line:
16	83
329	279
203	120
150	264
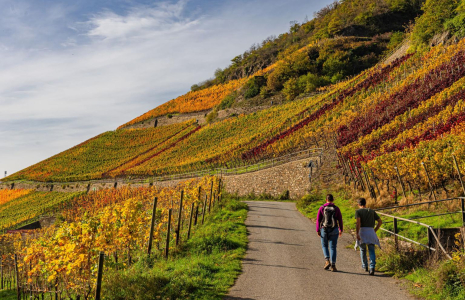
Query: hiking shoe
366	268
333	268
327	265
372	272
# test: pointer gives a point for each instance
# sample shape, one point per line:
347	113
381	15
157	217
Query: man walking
366	235
329	227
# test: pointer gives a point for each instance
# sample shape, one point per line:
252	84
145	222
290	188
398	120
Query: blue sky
70	70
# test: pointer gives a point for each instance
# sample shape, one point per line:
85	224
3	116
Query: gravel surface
284	261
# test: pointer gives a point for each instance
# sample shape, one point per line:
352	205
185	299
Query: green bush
457	25
284	195
291	89
228	101
253	86
212	116
308	199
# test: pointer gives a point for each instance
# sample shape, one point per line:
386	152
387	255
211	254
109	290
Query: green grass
204	267
8	295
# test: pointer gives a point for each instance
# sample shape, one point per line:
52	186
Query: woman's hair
330	198
362	202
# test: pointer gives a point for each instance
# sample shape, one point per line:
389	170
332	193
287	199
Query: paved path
284	261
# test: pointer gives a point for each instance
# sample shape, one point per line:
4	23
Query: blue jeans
363	255
329	239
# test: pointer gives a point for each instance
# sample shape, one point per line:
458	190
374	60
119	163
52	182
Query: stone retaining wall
292	176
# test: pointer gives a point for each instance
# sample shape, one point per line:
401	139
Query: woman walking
366	234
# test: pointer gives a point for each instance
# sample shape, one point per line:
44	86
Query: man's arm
379	224
340	222
358	228
318	218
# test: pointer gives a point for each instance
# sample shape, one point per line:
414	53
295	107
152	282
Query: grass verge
204	267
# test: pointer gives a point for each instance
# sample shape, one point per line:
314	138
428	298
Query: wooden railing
432	236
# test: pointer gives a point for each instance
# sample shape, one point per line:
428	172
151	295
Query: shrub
228	101
291	89
212	116
284	195
253	86
308	199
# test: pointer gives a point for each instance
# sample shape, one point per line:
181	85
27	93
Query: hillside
414	102
378	86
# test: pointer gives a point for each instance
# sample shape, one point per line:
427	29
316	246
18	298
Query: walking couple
329	226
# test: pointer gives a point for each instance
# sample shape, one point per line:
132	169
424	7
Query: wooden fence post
374	179
196	215
178	231
204	209
99	276
370	187
429	181
430	239
463	211
211	196
458	172
17	277
210	204
401	183
190	221
167	247
152	225
396	231
1	267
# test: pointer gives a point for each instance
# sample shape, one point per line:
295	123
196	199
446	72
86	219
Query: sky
70	70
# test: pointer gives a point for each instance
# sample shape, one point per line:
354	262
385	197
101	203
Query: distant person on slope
329	227
366	235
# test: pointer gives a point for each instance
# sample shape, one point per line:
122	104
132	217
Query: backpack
329	218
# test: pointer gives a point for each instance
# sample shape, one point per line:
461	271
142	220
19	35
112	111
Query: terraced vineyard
26	205
62	258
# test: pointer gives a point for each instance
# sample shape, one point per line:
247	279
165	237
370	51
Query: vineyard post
349	172
167	247
342	163
196	215
211	192
369	186
190	221
17	277
429	181
204	211
152	225
357	172
99	276
210	203
178	230
400	181
352	168
396	231
1	267
364	186
458	172
463	211
374	179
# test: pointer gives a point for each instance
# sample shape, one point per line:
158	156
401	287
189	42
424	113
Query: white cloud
140	22
96	74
